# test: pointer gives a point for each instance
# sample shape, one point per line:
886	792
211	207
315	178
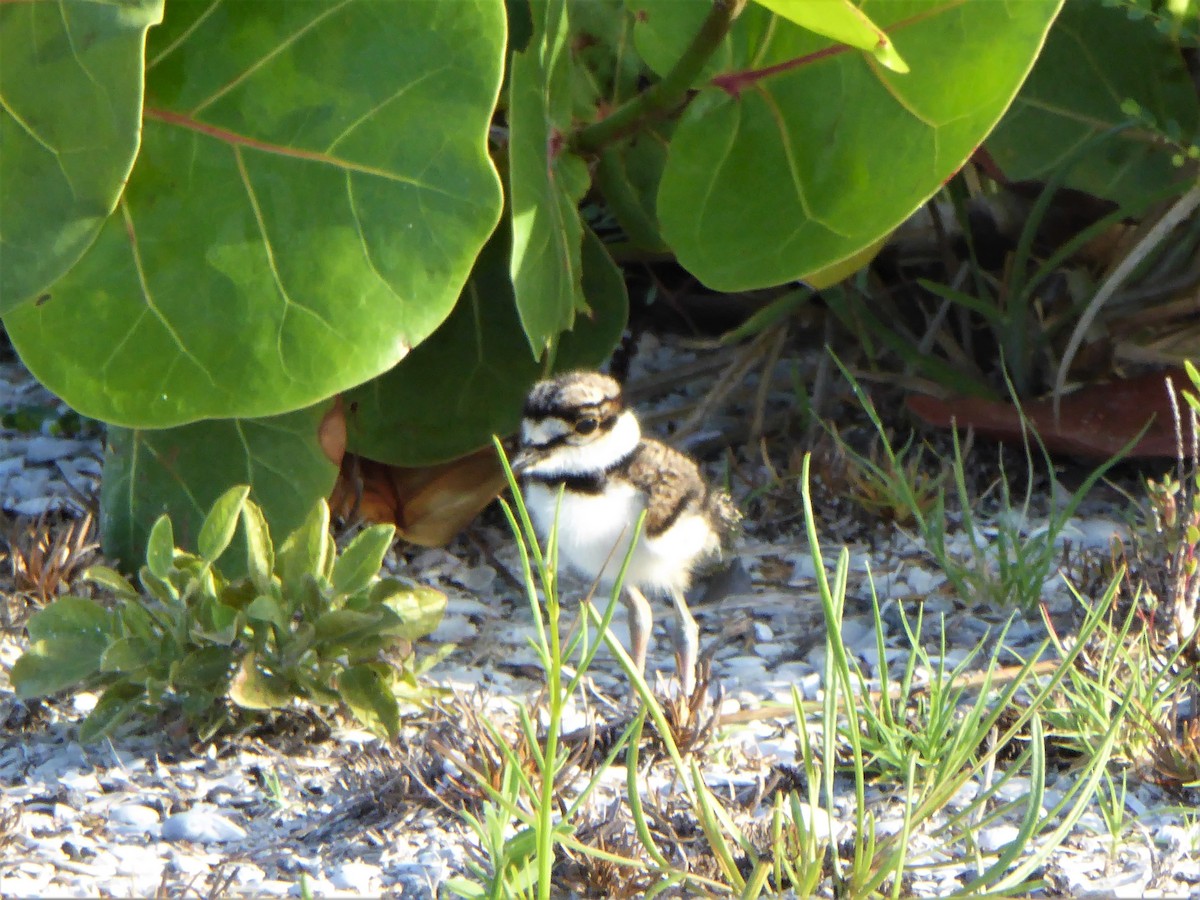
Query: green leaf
303	553
69	617
1193	373
628	175
160	548
47	668
268	609
465	383
128	654
362	558
117	704
217	623
206	668
603	70
418	610
664	28
158	588
340	627
546	183
312	188
1095	60
367	693
184	470
66	641
801	154
260	552
137	622
251	688
70	121
111	579
842	21
216	532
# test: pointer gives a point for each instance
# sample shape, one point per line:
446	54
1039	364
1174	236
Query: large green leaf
312	189
184	470
467	382
70	119
1096	59
546	183
664	28
802	153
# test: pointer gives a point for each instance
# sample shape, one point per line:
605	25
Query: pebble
201	824
43	448
133	817
995	838
357	877
454	629
477	578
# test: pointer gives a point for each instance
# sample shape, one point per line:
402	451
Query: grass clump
306	623
1005	563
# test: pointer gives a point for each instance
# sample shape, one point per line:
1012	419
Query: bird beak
523	460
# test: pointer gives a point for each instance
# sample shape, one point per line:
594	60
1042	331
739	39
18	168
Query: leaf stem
666	93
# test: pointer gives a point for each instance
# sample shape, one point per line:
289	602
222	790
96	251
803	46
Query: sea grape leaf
312	189
663	29
467	382
801	153
842	21
184	470
546	183
70	121
1096	60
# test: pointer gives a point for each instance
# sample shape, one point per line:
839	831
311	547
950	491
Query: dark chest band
592	483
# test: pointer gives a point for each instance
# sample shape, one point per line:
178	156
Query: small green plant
272	786
305	624
522	824
895	489
1006	565
930	743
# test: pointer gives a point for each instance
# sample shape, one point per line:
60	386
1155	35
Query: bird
578	437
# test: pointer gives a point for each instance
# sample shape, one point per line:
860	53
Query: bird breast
594	531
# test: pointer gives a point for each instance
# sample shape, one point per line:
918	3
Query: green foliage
1100	69
182	471
315	183
311	190
839	147
1009	564
69	137
305	624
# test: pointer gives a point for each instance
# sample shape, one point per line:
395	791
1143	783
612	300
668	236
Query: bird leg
686	637
641	623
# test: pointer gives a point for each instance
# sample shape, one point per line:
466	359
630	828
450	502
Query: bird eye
586	426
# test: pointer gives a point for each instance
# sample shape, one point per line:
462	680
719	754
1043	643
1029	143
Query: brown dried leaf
1095	421
429	505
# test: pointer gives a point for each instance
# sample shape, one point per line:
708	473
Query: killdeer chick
578	436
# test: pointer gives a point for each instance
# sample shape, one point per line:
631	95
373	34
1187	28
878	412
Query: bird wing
671	481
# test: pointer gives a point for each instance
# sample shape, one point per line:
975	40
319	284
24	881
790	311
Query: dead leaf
332	433
429	505
1096	421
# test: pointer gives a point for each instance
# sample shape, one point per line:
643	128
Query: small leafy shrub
305	623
